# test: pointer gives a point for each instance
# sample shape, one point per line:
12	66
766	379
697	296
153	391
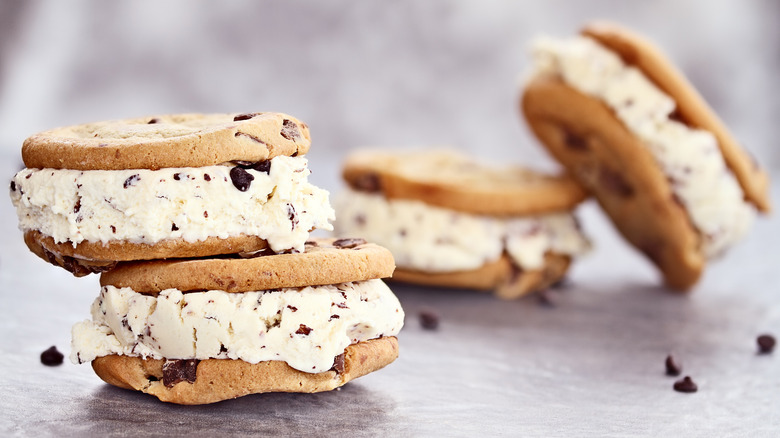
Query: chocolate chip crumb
348	243
685	385
338	364
133	180
290	130
303	330
429	320
153	120
179	370
672	367
766	344
241	178
52	357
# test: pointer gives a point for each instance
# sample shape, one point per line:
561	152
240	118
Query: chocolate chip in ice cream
292	216
263	166
685	384
52	357
290	130
241	178
766	344
672	367
179	370
348	243
429	320
13	186
132	180
303	330
207	177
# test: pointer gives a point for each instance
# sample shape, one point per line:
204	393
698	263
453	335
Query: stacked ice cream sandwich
452	221
211	287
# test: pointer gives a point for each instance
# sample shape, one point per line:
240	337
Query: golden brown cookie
451	180
325	261
213	380
611	161
502	276
179	140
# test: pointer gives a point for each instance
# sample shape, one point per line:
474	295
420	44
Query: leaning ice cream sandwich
634	132
450	221
205	330
171	186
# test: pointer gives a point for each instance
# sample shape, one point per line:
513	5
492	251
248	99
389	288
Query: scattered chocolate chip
368	182
546	298
179	370
241	178
52	357
13	186
429	320
303	330
263	166
672	367
292	308
133	180
685	385
338	364
246	116
615	183
290	130
153	121
575	142
766	344
348	243
174	227
207	177
177	176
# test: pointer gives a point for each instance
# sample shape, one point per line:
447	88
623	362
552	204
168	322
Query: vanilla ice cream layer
306	327
428	238
690	158
146	206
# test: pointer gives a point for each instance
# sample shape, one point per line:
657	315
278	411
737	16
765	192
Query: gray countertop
592	364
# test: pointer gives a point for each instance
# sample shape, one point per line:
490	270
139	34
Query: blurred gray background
406	73
359	73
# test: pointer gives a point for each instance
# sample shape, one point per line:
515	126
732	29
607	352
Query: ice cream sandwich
637	135
171	186
451	221
205	330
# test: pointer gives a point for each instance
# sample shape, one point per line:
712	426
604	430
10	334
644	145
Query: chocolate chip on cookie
179	370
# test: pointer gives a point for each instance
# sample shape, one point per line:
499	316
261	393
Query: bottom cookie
213	380
502	276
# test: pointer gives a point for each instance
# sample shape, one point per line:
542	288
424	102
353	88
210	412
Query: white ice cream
428	238
306	327
689	157
147	206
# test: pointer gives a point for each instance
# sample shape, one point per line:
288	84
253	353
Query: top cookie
179	140
325	261
451	180
691	108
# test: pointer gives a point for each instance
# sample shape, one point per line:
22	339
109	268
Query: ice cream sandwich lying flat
632	130
204	330
172	186
451	221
